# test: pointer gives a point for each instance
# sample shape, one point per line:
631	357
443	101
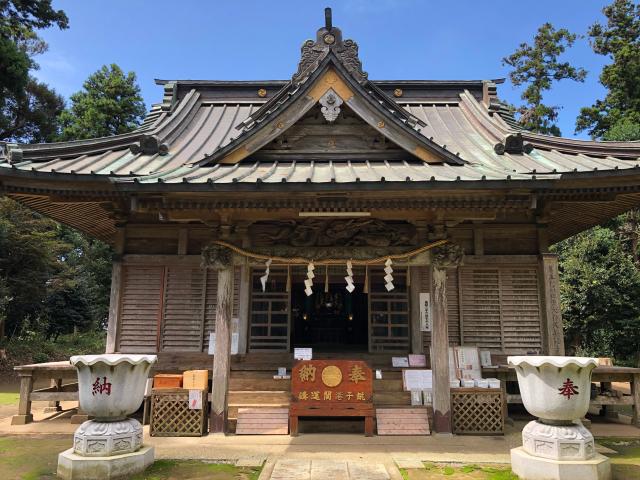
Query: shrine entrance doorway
331	319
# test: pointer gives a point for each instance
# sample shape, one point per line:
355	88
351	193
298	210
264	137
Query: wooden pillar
115	296
635	393
54	405
552	314
440	352
222	352
417	345
243	308
446	256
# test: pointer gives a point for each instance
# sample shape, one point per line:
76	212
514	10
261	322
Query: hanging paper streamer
326	279
349	278
388	278
308	283
263	279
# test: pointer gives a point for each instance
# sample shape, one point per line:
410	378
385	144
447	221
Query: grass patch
36	458
9	399
626	463
435	471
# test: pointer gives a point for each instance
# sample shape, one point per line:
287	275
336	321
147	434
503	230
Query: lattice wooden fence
172	417
477	411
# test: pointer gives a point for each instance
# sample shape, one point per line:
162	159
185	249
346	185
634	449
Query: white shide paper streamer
265	277
308	283
388	278
349	278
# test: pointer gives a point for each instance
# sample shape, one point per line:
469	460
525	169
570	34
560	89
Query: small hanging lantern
349	278
388	278
265	277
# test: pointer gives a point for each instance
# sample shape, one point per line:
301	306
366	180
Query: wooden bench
343	410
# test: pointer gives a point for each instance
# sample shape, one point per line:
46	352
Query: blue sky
260	40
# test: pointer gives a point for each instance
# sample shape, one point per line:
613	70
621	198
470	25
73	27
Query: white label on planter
195	399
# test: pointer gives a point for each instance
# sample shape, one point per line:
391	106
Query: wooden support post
550	291
54	405
222	351
635	393
116	292
417	345
440	352
447	256
243	308
24	407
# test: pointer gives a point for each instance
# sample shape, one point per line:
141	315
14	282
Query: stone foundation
75	467
528	467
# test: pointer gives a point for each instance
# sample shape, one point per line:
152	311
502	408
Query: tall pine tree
536	67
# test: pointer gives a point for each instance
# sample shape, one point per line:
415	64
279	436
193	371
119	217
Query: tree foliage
109	104
28	108
599	295
618	114
536	67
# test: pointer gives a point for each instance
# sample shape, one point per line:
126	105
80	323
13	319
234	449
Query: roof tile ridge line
249	171
199	174
183	108
391	102
269	172
577	145
494	164
265	106
471	109
151	176
224	137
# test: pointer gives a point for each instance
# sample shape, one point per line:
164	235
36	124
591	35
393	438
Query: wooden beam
550	295
440	351
116	293
417	345
222	351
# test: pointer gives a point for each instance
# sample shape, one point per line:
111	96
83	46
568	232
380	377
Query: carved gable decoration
330	102
329	39
361	232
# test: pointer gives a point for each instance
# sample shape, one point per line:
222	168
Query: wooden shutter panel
480	305
140	308
521	323
184	299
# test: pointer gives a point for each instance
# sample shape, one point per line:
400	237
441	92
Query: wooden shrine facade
329	165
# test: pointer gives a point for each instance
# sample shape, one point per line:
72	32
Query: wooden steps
262	421
402	421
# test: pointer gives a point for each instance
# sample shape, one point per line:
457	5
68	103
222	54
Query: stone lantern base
528	467
72	466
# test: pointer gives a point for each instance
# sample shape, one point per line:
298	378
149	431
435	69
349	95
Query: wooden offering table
331	388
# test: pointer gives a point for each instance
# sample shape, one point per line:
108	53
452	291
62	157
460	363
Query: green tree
536	67
617	116
28	108
109	104
599	292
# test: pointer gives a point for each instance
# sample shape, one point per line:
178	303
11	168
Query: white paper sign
417	379
425	312
399	362
195	400
235	339
303	353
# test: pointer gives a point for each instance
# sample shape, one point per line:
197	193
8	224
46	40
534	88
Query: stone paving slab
324	469
367	471
291	470
408	462
251	461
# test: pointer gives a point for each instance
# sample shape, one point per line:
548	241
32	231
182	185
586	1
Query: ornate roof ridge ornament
329	39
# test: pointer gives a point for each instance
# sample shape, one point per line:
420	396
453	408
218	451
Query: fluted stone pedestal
558	452
72	466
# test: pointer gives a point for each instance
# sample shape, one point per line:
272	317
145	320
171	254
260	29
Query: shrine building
361	218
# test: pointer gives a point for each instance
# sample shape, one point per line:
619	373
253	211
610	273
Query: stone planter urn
110	387
556	390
